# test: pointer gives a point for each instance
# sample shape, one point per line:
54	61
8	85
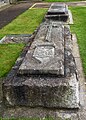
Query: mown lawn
24	24
8	55
79	27
62	0
46	118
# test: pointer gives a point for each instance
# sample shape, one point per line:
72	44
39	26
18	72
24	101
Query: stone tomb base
47	76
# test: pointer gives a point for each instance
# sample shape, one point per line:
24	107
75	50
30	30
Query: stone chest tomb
58	12
47	74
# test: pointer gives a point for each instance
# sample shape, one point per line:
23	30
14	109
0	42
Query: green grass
79	27
46	118
62	0
8	55
26	23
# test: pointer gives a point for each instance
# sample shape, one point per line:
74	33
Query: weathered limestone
57	12
35	85
46	54
24	38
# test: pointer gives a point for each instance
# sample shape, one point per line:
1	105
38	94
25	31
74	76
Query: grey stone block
46	56
22	38
42	92
57	12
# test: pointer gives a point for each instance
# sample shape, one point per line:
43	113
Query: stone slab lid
58	12
58	9
46	54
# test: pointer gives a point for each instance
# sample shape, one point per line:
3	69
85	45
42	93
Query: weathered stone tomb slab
46	54
45	90
58	12
22	38
57	8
